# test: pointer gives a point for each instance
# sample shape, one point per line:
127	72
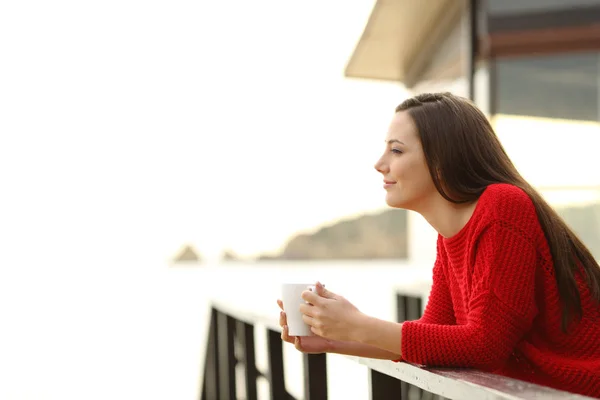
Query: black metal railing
231	345
408	307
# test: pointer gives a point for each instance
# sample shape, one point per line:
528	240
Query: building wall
545	109
548	118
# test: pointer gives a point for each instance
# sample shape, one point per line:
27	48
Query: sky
129	128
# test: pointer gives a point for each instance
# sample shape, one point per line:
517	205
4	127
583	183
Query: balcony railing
231	347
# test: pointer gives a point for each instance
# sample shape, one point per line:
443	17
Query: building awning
398	37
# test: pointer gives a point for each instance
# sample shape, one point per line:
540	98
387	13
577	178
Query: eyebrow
393	141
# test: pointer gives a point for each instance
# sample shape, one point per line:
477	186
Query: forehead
402	128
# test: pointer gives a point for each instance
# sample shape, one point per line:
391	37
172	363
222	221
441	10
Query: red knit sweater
494	303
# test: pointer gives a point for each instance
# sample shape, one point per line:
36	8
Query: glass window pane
507	7
557	86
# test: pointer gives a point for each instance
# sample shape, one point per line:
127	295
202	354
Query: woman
514	292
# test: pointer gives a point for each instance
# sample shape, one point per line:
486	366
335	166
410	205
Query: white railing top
466	384
241	312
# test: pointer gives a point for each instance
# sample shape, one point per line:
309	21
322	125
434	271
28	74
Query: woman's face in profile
406	177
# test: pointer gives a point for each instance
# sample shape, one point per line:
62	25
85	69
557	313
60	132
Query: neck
445	217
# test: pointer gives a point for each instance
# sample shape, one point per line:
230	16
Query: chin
395	202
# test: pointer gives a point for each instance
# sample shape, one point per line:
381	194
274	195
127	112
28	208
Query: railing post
227	361
315	376
408	308
246	339
384	387
276	378
210	388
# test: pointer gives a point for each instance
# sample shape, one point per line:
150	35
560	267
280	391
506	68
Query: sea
141	333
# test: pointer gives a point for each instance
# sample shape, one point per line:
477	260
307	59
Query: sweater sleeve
439	308
501	308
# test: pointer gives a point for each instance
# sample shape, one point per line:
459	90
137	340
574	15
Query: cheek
400	169
406	169
413	176
424	176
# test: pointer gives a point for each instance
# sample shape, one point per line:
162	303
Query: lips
388	184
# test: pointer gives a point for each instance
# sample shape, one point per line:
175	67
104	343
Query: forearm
384	335
362	350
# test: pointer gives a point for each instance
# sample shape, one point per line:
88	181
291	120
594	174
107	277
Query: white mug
291	298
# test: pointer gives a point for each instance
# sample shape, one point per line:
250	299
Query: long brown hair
464	156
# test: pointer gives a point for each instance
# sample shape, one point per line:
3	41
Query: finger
308	320
307	309
321	291
285	335
310	297
280	303
282	319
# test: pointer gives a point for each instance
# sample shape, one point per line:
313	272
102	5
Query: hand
305	344
331	316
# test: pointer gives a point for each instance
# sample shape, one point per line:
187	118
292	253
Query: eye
397	151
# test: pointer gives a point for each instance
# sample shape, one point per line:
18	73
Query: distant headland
381	235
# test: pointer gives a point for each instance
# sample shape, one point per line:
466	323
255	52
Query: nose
381	166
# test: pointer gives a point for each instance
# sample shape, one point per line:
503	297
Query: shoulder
510	207
502	201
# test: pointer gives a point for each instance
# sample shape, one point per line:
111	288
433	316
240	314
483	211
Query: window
562	86
508	7
547	116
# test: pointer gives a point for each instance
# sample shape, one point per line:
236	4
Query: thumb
321	291
298	344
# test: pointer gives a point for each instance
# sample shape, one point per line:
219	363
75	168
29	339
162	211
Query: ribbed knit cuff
406	340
